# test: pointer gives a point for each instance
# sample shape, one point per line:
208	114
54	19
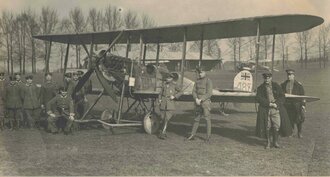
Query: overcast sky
167	12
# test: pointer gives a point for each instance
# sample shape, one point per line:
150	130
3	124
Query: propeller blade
105	84
83	80
86	76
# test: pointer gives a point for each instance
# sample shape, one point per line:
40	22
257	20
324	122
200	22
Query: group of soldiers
276	115
24	104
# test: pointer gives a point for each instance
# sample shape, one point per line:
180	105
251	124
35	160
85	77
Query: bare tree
306	37
32	29
323	43
252	44
283	44
266	45
95	21
299	39
232	43
130	20
64	27
7	30
48	22
147	22
78	22
112	18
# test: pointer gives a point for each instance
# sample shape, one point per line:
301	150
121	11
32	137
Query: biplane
134	78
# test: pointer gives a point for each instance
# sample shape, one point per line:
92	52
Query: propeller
87	75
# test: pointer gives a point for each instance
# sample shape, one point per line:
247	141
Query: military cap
29	77
68	75
289	71
267	74
2	73
17	73
168	75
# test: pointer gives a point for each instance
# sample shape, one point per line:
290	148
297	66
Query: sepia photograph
164	88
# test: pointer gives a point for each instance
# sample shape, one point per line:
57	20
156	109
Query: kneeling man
61	106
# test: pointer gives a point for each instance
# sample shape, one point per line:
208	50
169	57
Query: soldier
48	90
2	99
31	102
169	92
295	110
61	106
68	84
271	112
79	97
202	93
13	102
20	112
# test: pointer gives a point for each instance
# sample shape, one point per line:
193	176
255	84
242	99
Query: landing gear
151	123
107	116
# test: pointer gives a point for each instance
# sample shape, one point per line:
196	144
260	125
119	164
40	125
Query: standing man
2	100
79	97
61	106
13	102
169	92
48	90
271	112
31	102
295	110
21	112
202	93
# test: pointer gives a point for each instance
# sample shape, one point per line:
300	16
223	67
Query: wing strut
257	53
201	48
273	51
48	56
183	61
66	59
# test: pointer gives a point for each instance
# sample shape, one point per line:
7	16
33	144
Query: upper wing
280	24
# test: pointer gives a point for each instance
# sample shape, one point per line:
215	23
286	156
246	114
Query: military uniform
61	107
78	98
48	92
31	103
169	91
294	109
203	91
13	103
271	112
2	102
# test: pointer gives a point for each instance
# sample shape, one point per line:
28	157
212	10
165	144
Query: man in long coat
296	110
13	102
31	102
271	112
169	92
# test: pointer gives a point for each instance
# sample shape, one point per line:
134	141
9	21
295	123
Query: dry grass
234	150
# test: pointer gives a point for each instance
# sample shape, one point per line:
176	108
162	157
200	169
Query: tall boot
193	131
162	134
268	139
209	128
275	136
299	127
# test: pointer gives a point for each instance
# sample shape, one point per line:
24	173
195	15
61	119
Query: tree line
17	45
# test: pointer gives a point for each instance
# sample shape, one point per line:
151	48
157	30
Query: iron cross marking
245	76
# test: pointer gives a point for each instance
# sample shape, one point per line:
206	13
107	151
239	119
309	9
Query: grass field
234	149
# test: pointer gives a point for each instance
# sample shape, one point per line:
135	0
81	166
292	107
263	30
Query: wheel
151	123
106	116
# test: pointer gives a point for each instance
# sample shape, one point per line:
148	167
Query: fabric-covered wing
280	24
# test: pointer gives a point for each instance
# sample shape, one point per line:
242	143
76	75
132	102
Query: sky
171	12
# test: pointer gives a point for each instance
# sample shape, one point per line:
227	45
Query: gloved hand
198	101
